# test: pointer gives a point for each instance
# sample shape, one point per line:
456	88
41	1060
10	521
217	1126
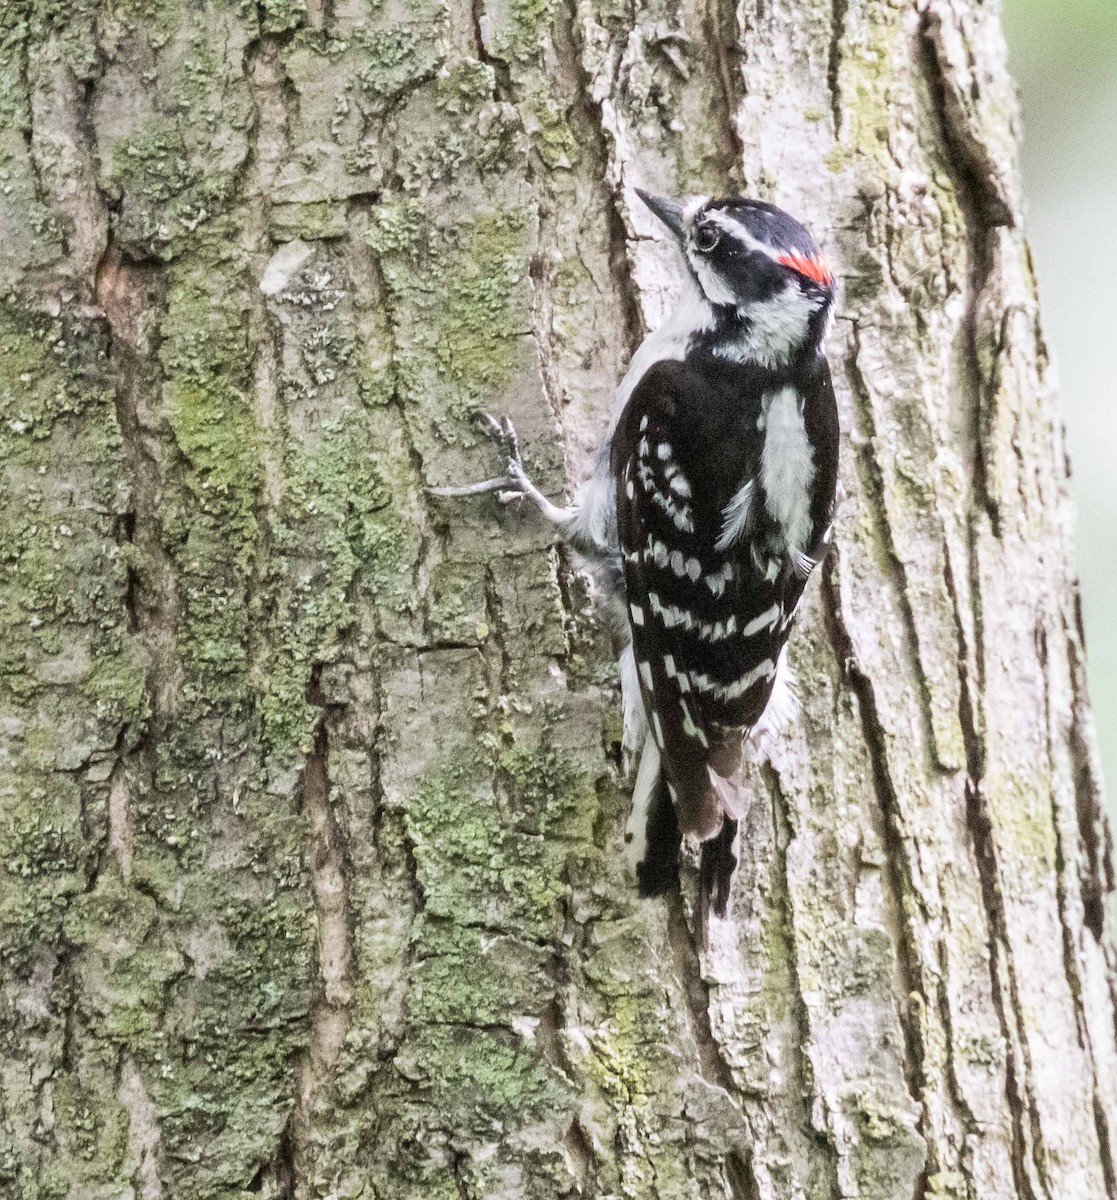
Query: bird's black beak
670	213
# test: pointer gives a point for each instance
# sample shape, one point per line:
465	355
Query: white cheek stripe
773	328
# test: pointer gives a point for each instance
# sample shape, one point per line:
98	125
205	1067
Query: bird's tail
655	829
658	871
715	874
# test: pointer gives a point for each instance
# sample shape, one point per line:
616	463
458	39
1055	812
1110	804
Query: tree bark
311	881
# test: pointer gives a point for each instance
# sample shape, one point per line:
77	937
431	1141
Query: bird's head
755	265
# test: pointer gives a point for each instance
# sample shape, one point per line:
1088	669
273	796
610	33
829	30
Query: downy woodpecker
710	504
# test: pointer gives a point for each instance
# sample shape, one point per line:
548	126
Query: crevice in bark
739	1176
1071	966
1096	878
330	871
969	159
697	992
579	1151
982	210
838	10
873	482
1026	1139
502	75
125	294
283	1167
1105	1146
1074	982
722	39
627	293
969	711
898	868
970	1126
784	914
503	784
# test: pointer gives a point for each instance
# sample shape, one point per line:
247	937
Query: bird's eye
706	237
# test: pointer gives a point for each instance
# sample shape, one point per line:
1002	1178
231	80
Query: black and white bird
710	504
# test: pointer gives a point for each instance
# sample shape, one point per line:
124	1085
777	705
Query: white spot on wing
765	621
692	730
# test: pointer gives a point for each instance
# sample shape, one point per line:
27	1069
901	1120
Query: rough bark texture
310	806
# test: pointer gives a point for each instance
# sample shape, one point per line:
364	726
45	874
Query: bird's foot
514	484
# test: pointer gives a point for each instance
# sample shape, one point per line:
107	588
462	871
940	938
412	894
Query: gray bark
310	807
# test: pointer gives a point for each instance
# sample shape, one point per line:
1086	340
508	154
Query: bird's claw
514	483
504	431
514	474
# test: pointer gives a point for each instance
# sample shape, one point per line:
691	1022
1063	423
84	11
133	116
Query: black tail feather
659	872
715	874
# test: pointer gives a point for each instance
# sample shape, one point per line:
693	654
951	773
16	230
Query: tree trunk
311	880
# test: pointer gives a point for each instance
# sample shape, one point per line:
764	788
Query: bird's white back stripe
787	468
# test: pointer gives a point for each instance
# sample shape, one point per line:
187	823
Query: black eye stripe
706	237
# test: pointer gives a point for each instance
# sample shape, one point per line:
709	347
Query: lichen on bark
310	806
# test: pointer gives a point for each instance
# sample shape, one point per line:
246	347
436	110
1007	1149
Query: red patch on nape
814	268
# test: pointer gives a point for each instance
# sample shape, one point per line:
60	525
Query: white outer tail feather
781	710
636	829
634	728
